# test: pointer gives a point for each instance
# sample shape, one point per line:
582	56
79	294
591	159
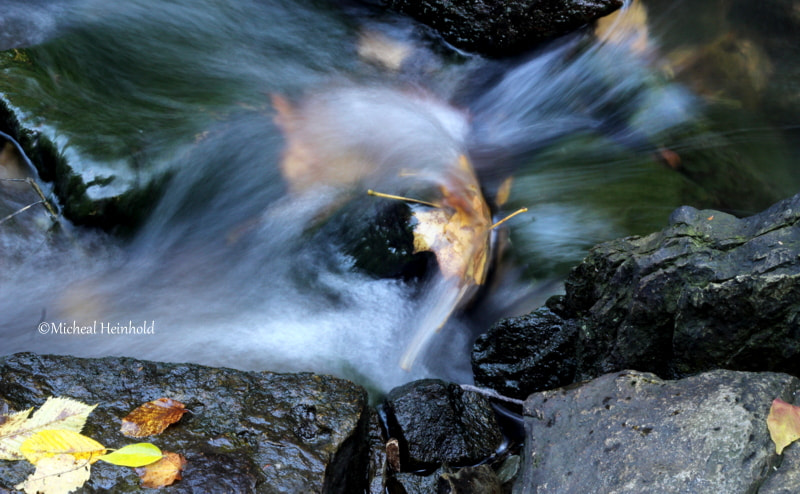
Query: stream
604	132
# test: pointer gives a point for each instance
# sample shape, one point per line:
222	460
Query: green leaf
134	455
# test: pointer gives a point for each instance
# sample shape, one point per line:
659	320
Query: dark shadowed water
605	133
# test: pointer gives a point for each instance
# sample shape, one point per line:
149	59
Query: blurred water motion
602	134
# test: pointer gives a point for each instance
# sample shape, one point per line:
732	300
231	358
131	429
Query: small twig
401	198
490	393
49	207
19	211
518	211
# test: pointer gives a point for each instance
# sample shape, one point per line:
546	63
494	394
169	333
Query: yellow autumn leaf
783	423
133	455
48	443
458	230
11	431
55	413
57	474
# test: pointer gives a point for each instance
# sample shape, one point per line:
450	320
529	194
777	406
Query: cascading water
236	266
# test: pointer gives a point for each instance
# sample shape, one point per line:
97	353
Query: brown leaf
783	423
458	232
152	417
311	158
163	472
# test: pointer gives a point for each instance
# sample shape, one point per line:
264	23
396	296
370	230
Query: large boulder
709	291
246	431
631	432
503	27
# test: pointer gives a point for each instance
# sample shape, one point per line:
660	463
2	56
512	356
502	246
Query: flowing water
605	132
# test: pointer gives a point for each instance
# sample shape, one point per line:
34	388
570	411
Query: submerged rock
246	431
437	422
505	27
632	432
100	200
710	291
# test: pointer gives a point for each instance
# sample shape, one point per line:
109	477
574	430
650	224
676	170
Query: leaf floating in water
152	417
310	157
163	472
783	423
377	48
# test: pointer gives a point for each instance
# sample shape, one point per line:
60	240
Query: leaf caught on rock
163	472
57	474
458	230
134	455
49	443
55	413
152	417
783	423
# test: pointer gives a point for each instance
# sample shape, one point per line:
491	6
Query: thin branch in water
490	393
518	211
401	198
49	207
19	211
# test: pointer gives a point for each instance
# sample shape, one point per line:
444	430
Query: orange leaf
458	232
783	423
152	417
163	472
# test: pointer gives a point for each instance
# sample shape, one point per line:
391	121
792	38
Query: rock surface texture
709	291
503	27
631	432
437	422
246	431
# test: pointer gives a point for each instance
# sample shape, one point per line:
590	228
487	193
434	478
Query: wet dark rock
480	479
437	422
520	355
97	201
412	483
631	432
503	27
710	291
247	431
377	473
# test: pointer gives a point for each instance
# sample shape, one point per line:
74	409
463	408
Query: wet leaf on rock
57	474
783	423
152	417
163	472
49	443
134	455
55	413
